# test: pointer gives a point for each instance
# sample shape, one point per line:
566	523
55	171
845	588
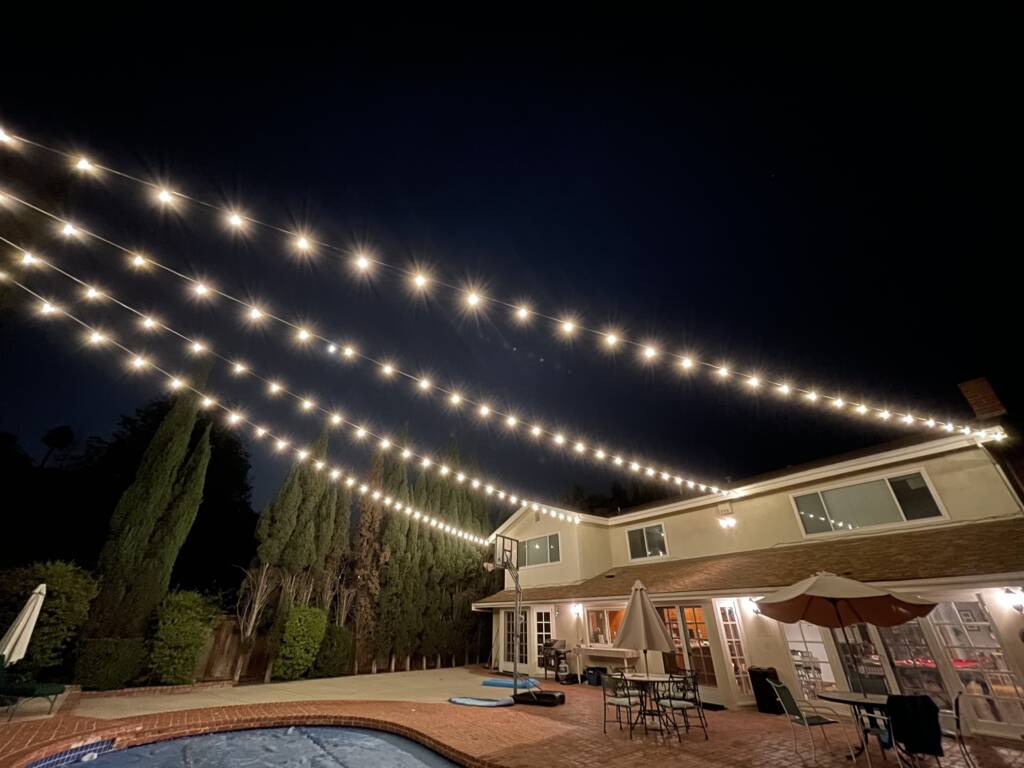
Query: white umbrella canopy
642	628
15	641
828	600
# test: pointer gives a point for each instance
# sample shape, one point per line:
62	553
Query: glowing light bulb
523	312
96	337
424	384
5	137
455	398
148	323
331	349
280	445
930	423
165	196
485	410
426	462
260	432
884	415
83	164
69	230
617	461
198	347
784	389
611	339
254	313
274	387
559	439
348	351
650	353
239	368
302	243
473	298
138	261
686	363
599	454
535	431
336	418
303	334
723	372
812	396
47	308
362	262
568	327
307	405
28	258
385	444
579	447
200	289
510	421
138	362
753	381
234	418
419	280
387	370
862	409
207	402
908	419
176	384
235	220
406	453
838	403
360	433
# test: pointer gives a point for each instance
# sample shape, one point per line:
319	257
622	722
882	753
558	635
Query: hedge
104	663
303	633
337	653
184	624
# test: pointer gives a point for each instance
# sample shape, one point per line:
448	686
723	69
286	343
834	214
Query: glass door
674	662
509	641
913	665
734	645
810	658
992	693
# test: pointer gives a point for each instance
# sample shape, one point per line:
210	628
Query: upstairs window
893	500
539	551
647	542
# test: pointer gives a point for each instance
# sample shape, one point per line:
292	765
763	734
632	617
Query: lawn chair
808	715
12	693
681	694
616	692
880	726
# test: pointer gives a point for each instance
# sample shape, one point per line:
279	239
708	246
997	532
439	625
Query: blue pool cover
296	747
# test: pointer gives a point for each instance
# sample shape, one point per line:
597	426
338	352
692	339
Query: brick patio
513	737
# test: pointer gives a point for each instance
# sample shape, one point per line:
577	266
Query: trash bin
593	674
763	693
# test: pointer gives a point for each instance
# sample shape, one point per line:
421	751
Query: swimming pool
295	747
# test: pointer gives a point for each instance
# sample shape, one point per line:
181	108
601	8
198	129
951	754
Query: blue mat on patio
473	701
502	683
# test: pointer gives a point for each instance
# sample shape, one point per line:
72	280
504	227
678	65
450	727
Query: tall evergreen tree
333	597
392	638
368	562
149	524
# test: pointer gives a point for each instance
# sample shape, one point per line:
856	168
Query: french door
508	641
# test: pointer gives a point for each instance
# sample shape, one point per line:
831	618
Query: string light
722	370
274	388
83	164
165	196
520	311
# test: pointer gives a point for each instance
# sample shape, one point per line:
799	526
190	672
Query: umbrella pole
849	649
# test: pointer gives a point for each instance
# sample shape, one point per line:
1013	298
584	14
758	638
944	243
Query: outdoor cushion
815	720
622	701
676	704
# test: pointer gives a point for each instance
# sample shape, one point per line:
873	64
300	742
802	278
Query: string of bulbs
138	362
473	299
273	388
454	398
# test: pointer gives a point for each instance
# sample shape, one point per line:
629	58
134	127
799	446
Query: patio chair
809	716
681	694
616	693
916	731
957	733
880	726
13	693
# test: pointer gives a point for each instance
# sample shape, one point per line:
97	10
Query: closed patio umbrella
642	628
16	639
828	600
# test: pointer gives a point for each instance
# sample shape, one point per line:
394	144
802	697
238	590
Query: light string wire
139	362
568	325
274	387
454	397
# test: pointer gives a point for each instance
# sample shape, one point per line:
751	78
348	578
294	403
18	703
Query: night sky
831	215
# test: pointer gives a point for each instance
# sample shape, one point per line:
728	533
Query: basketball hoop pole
508	549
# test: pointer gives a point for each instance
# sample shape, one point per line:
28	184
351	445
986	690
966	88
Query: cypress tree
368	562
336	562
392	632
149	525
299	553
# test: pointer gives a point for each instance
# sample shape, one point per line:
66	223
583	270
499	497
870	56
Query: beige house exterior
937	518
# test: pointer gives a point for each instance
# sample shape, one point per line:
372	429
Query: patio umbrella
828	600
642	628
15	641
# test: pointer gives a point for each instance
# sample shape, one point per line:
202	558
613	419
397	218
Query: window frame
644	527
548	536
603	609
885	476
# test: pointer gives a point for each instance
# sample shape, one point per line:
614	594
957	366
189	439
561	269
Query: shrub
184	624
303	633
110	662
337	653
69	591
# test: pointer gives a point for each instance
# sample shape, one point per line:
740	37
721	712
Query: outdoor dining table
871	703
646	683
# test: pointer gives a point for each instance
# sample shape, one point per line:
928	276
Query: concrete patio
414	704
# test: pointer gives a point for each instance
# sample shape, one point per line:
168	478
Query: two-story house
937	518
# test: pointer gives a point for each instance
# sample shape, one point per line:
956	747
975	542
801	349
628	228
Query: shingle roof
956	550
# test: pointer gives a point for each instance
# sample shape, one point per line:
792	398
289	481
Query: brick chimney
982	399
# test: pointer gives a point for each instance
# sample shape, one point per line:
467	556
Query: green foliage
105	663
392	634
150	523
184	623
304	631
69	591
370	557
336	654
